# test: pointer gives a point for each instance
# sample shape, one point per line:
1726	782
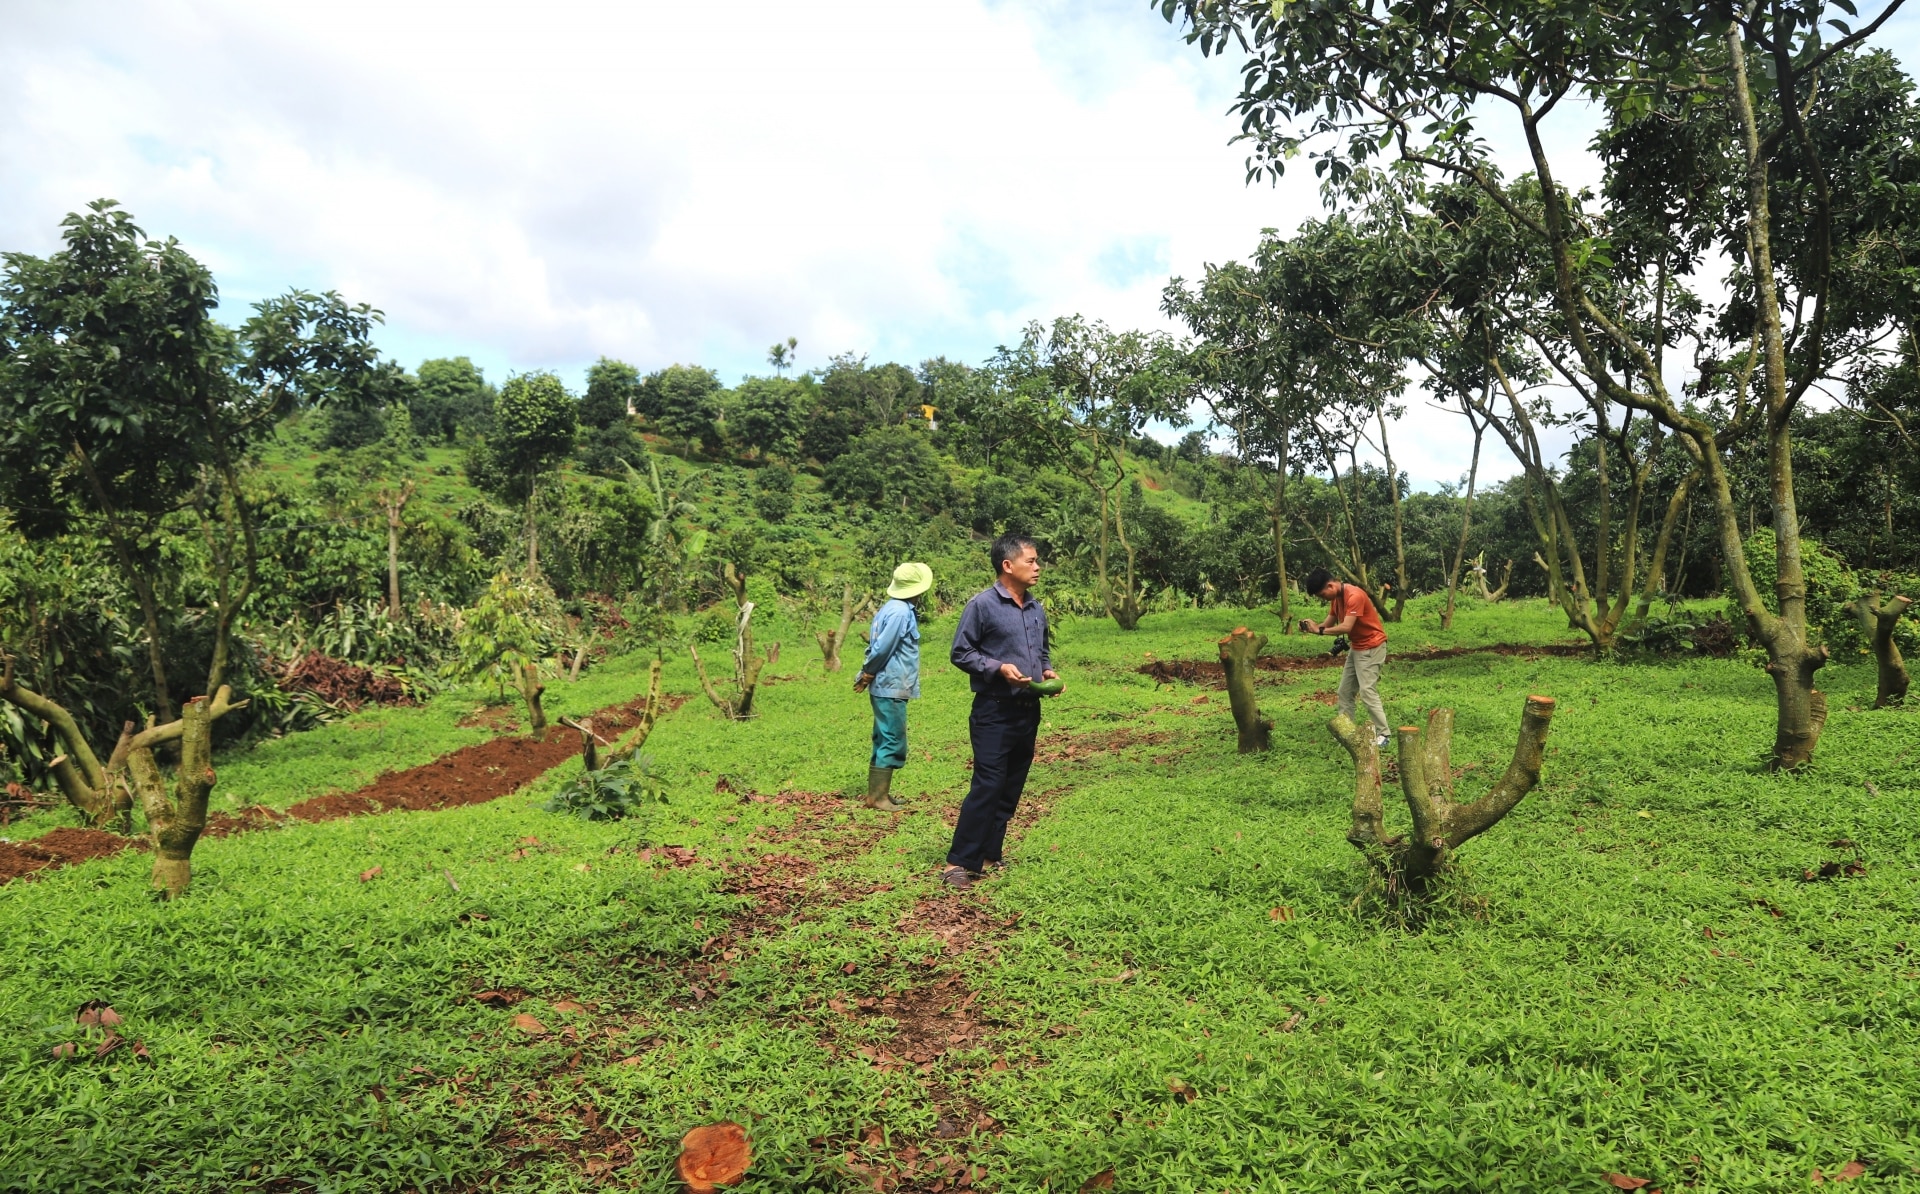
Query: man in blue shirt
891	675
1002	646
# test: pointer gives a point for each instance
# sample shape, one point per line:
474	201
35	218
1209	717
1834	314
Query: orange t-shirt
1367	633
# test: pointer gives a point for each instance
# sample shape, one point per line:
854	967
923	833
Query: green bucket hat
910	580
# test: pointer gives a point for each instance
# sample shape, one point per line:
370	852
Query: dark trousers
1002	730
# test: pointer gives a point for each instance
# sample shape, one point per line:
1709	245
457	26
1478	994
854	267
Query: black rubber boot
879	785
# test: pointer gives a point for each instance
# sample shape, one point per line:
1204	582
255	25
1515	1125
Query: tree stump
1238	653
1410	864
526	677
1879	622
746	669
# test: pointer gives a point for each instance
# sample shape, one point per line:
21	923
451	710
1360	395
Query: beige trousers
1361	677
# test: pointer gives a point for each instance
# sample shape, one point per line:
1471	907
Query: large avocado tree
1389	98
123	404
1086	392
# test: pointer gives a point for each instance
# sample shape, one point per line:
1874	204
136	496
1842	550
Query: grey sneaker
1379	741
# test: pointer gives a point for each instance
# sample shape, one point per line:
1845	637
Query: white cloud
535	185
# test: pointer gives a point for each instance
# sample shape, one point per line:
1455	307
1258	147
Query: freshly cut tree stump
714	1155
1879	622
1410	864
1238	653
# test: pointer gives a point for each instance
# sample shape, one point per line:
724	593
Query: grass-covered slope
1147	1010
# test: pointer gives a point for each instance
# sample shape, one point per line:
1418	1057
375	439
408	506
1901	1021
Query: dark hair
1006	547
1317	580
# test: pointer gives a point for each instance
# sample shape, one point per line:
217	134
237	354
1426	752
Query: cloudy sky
534	186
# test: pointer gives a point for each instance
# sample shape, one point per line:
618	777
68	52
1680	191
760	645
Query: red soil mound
1210	673
59	848
473	774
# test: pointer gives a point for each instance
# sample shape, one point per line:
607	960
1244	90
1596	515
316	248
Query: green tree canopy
612	387
765	418
684	402
890	468
451	395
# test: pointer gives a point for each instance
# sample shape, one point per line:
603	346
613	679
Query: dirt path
939	1039
470	775
1208	672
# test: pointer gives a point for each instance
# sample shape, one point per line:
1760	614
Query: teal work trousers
889	732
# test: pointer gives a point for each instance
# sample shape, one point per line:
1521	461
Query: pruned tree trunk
1239	652
526	677
832	640
175	823
590	742
1409	864
1879	622
99	792
635	738
746	669
1506	578
579	657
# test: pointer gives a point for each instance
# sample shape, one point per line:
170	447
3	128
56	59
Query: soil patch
1064	747
473	774
937	1024
1210	673
62	847
781	887
257	816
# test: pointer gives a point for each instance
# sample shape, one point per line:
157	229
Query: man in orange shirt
1350	612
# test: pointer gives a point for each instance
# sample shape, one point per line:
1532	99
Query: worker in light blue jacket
891	678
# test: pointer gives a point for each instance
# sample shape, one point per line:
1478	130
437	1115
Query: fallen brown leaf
714	1155
95	1013
1621	1181
568	1006
529	1025
497	998
1102	1180
369	873
114	1041
1282	914
1293	1022
1181	1091
65	1051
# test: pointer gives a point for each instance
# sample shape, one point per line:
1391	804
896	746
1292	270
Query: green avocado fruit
1047	687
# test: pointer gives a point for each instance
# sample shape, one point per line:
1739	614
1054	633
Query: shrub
627	787
773	494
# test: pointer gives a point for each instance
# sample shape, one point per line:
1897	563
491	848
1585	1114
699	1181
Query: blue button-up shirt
993	630
893	652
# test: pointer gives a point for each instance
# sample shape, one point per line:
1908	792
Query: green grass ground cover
310	1030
